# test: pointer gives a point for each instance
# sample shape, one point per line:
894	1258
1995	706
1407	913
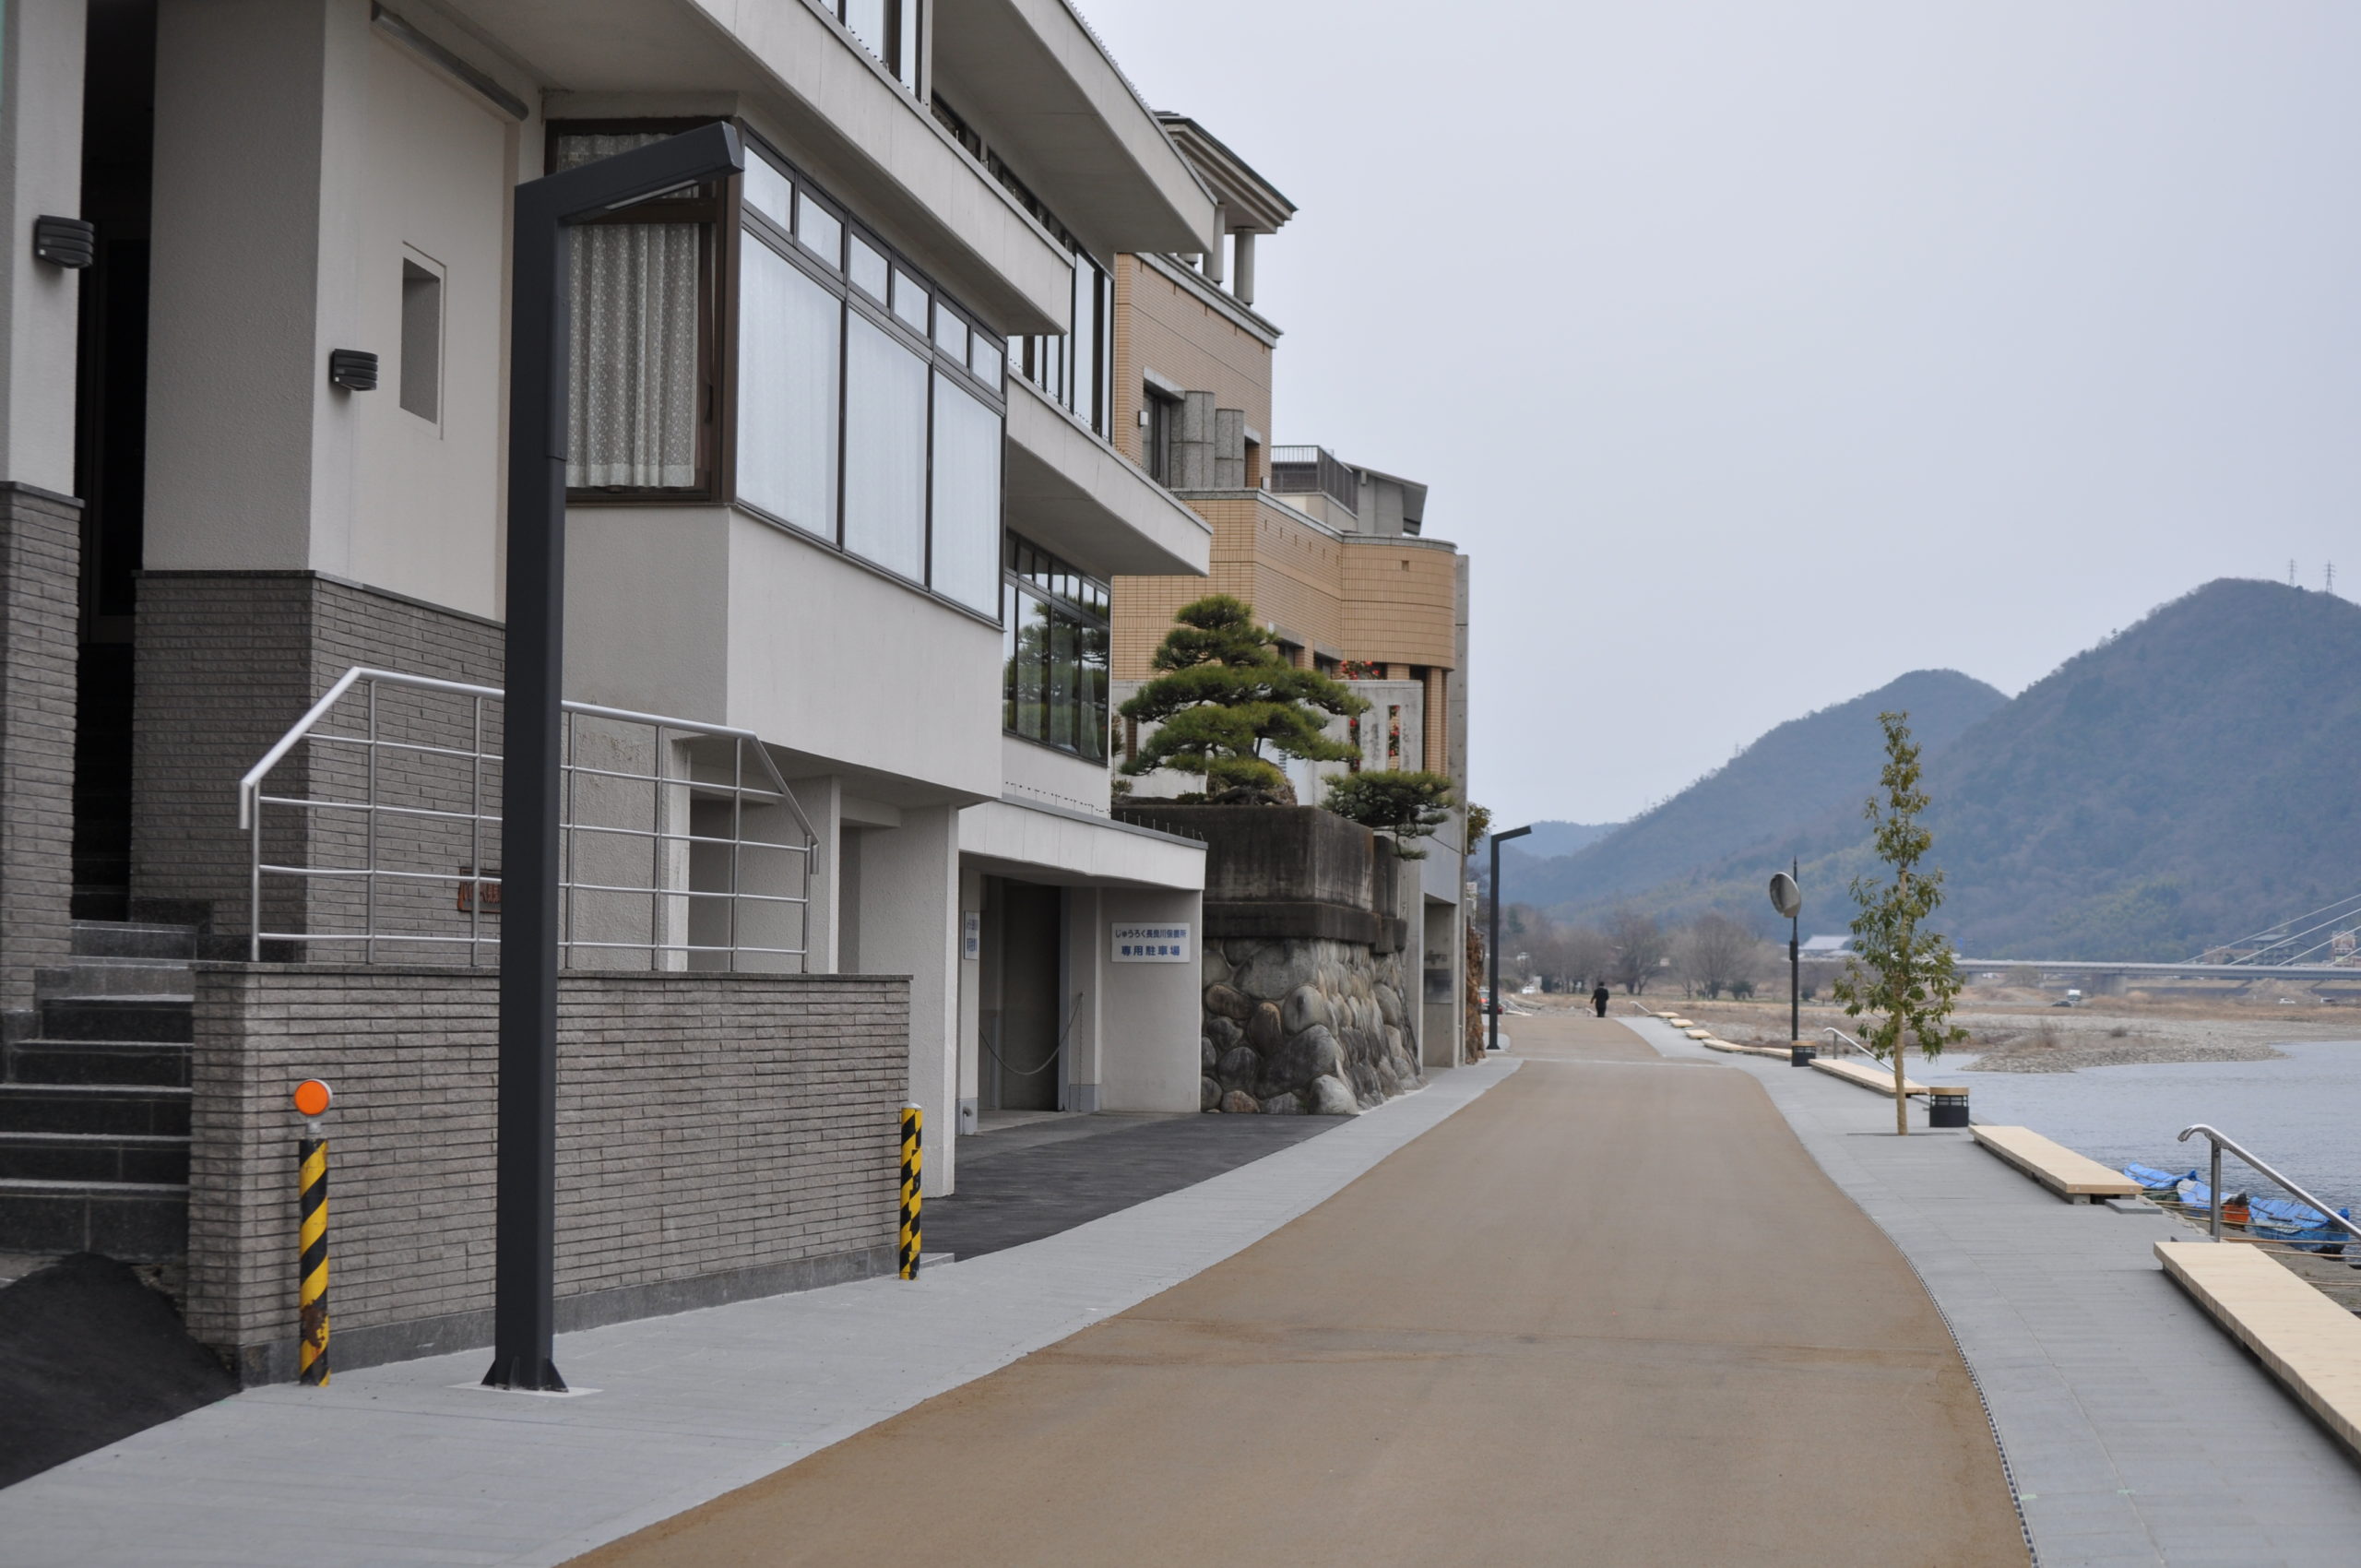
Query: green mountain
1796	773
1549	839
2186	782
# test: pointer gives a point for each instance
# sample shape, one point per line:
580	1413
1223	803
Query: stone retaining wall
1304	1026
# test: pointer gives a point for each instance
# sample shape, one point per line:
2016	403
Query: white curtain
635	393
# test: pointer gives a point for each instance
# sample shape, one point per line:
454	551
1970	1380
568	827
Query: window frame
1158	409
714	211
924	342
1073	600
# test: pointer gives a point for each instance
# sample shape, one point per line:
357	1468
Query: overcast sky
1760	353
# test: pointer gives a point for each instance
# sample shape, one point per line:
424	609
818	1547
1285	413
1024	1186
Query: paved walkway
1610	1313
2136	1431
414	1463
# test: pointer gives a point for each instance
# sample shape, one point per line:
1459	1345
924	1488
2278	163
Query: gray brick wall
39	619
719	1137
228	662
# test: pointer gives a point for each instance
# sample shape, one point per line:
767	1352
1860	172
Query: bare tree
1640	945
1718	953
1590	957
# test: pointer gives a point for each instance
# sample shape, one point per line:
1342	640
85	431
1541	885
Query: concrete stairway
94	1112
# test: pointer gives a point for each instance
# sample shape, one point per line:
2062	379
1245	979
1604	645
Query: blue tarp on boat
2158	1184
2280	1220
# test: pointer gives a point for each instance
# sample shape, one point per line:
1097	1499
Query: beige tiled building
1333	555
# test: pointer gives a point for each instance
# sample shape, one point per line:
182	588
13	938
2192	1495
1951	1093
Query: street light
1787	898
1492	949
524	1309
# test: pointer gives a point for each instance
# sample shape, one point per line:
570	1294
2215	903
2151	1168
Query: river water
2302	1114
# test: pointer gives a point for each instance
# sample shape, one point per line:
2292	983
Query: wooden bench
1694	1032
1866	1075
2308	1342
2072	1176
1676	1023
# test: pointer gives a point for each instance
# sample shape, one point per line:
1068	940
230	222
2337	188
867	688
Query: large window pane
786	391
1032	666
819	230
1092	679
884	450
869	268
767	191
1085	339
1009	633
967	497
1062	683
865	19
635	394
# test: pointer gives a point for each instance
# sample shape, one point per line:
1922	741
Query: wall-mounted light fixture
65	242
355	370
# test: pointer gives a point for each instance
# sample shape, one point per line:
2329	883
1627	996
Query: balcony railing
684	848
1301	470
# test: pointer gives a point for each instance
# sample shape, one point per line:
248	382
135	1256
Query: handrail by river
1848	1039
2221	1141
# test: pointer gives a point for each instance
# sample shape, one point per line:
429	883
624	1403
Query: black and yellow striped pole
312	1101
913	1122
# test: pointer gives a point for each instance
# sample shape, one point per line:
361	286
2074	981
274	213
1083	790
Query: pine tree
1407	804
1227	697
1903	977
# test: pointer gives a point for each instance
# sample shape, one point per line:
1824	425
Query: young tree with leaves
1227	697
1409	805
1901	976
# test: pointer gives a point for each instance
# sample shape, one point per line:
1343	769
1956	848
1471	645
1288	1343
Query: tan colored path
1610	1314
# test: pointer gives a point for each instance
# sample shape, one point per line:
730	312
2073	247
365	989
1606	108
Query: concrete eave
1408	540
1221	300
1040	843
800	80
1045	93
1251	204
1074	495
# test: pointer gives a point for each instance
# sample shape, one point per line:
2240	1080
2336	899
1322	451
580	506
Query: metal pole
524	1312
2214	1192
1493	956
1492	951
1795	979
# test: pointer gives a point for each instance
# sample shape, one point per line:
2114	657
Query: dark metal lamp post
1492	948
524	1260
1787	898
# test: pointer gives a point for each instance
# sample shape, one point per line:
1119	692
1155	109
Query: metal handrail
250	785
2221	1140
1848	1039
251	799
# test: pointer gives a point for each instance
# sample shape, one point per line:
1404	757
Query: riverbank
2033	1037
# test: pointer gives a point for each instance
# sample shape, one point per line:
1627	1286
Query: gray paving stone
2137	1432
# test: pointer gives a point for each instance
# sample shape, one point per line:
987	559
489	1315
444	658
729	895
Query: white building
827	416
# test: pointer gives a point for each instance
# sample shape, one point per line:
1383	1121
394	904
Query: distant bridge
2190	971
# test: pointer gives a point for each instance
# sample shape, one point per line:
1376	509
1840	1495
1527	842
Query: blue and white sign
1166	943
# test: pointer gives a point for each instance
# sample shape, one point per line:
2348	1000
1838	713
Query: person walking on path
1599	998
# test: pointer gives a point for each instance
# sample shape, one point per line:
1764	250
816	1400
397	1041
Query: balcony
1305	470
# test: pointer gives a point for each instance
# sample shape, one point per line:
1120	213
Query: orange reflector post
313	1097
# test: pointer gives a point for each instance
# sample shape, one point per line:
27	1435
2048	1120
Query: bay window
865	408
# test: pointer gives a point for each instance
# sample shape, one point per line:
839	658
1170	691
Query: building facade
845	507
1333	555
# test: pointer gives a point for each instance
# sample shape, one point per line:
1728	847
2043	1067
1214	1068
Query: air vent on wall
65	242
355	370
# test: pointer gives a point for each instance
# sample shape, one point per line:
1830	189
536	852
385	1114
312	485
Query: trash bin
1947	1106
1799	1053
